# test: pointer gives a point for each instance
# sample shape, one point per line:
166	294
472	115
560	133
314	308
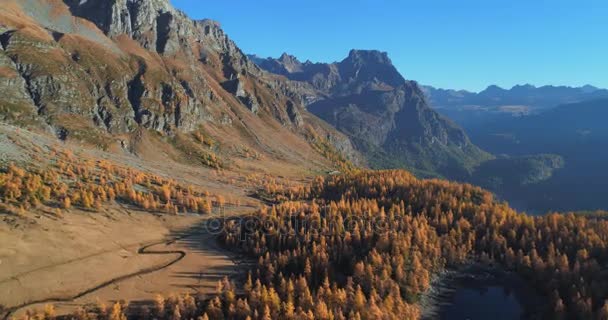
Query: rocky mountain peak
286	57
290	63
525	86
155	24
210	26
493	91
361	68
387	117
370	66
112	16
150	21
368	56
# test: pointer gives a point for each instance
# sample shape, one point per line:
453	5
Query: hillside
113	74
387	117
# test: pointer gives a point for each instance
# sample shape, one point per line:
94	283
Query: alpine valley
150	169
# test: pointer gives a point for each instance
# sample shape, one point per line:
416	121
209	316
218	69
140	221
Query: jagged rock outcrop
98	68
386	116
235	86
285	65
113	17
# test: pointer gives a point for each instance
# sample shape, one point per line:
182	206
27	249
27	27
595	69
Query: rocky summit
387	117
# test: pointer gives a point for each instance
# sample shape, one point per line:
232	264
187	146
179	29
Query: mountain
135	77
387	117
477	109
526	95
523	126
577	133
114	73
390	121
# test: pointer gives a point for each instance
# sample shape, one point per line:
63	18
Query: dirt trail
147	249
143	251
46	267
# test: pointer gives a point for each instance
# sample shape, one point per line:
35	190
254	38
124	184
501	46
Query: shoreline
475	275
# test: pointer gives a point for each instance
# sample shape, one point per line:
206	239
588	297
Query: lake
491	302
479	293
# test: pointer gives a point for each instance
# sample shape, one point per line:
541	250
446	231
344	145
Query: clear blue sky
461	44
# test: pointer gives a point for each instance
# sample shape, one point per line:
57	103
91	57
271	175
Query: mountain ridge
545	96
387	117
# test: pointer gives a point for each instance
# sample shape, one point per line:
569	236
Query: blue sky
460	44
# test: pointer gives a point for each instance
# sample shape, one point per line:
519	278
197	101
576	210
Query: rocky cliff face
96	69
386	116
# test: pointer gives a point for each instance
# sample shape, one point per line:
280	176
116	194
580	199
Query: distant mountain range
554	136
474	109
387	117
523	95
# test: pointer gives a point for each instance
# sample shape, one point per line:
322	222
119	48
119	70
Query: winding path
144	250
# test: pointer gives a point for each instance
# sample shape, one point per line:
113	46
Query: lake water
482	303
480	292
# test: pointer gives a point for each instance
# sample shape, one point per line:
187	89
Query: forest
366	245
